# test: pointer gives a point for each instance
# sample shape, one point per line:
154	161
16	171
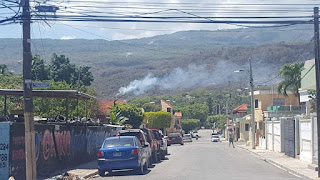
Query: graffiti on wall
56	149
4	149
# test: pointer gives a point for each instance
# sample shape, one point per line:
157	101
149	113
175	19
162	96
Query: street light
252	106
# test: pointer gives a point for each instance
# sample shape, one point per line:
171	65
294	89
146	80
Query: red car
163	142
154	144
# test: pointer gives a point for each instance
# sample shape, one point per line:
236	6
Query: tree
291	75
158	119
190	124
134	114
218	120
195	111
3	69
40	71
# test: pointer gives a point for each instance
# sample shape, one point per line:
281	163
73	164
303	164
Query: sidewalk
291	165
79	172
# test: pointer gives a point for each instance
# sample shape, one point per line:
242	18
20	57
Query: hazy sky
116	31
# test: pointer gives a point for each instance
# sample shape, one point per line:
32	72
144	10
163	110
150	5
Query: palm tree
291	75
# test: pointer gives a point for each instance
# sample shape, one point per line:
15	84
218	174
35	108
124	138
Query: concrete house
265	98
308	82
176	117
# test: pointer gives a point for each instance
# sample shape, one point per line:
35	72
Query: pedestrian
231	135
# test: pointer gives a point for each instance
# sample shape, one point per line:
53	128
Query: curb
277	164
90	175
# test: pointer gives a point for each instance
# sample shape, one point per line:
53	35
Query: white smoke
195	76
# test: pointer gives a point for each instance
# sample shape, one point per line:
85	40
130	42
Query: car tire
140	169
167	151
163	155
169	144
182	143
159	156
150	162
101	173
154	158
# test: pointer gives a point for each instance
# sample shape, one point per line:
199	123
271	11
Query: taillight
142	139
100	154
134	151
117	134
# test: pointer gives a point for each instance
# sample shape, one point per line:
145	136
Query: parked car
187	138
142	137
215	138
175	138
163	142
123	152
154	144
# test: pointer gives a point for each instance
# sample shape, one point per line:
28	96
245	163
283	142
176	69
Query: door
289	137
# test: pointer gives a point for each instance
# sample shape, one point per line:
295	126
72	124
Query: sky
121	30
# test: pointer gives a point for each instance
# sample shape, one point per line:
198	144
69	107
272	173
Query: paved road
205	160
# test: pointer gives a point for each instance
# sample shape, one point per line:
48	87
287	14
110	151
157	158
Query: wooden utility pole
30	150
253	122
317	58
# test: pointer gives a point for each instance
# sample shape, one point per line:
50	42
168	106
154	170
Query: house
242	127
176	117
265	98
105	109
308	82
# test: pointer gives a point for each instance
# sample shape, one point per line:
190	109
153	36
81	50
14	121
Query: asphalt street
203	160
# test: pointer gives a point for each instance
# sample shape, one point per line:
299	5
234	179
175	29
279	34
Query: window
256	103
169	110
246	127
278	102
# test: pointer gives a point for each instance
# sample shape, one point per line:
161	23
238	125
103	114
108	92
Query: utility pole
227	110
317	64
253	128
30	150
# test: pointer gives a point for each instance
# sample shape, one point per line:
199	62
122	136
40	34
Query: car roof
130	130
122	137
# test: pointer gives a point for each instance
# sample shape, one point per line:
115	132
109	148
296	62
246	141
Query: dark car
175	138
154	144
124	152
142	137
163	142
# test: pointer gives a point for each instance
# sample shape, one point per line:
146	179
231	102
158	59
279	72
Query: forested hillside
117	63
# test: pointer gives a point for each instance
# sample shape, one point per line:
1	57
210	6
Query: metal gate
289	137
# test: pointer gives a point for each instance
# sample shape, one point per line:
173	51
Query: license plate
117	154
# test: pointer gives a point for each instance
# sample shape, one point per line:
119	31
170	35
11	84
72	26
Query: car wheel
169	144
154	158
166	151
159	156
101	172
182	143
140	169
163	155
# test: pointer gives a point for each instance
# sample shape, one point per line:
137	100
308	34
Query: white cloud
67	37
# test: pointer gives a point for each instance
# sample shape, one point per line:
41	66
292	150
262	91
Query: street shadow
125	173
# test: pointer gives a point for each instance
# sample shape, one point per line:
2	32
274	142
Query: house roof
105	106
179	114
243	108
165	102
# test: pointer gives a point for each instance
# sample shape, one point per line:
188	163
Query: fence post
282	138
297	135
272	134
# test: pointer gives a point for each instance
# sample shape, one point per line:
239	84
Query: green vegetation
218	120
157	120
127	114
194	111
190	124
291	78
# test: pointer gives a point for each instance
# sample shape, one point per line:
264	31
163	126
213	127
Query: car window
215	136
174	135
156	134
152	135
187	135
136	134
118	142
138	142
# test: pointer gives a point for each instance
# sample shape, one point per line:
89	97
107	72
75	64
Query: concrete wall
57	147
244	135
4	149
306	140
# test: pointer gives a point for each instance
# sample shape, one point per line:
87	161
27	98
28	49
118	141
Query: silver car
215	138
187	138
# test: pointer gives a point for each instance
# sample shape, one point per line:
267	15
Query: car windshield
136	134
174	135
215	136
187	135
118	142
